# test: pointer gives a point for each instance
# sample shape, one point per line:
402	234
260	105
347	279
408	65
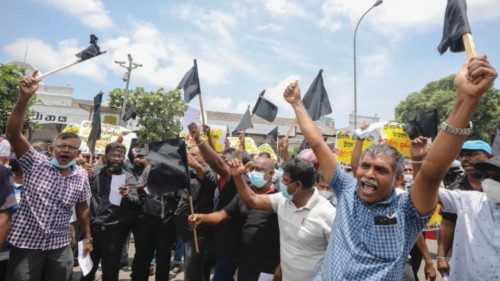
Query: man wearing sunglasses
40	232
476	247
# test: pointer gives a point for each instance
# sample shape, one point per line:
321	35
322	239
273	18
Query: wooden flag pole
291	128
195	234
203	121
56	70
470	48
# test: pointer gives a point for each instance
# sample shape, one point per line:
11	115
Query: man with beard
110	223
473	152
40	232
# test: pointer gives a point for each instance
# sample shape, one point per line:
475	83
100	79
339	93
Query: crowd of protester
296	218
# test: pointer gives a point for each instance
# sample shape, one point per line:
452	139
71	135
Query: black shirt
259	237
226	234
203	203
102	212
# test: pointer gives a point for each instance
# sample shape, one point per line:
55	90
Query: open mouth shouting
367	187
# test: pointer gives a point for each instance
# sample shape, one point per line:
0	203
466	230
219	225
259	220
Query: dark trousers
224	269
28	265
195	264
108	244
154	234
247	274
3	269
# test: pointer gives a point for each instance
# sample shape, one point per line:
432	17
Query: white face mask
492	190
408	178
325	193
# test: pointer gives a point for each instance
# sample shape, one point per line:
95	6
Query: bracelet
440	258
454	130
88	241
417	162
198	144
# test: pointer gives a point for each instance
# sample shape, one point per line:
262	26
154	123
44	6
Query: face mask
257	179
284	191
492	190
325	193
58	165
408	178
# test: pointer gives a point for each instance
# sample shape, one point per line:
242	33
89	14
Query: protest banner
109	134
267	148
394	135
218	137
344	147
250	145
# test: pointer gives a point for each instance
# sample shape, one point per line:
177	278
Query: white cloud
90	12
270	27
284	8
375	65
45	57
214	21
274	93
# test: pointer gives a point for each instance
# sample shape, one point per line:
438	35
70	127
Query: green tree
440	94
10	75
158	112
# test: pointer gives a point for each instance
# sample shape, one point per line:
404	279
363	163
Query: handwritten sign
393	134
218	137
344	146
267	148
250	145
109	134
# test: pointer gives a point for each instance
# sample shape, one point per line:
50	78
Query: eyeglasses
67	147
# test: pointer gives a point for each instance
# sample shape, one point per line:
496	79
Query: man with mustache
375	227
473	152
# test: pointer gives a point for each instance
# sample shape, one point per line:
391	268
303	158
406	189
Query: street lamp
354	61
126	78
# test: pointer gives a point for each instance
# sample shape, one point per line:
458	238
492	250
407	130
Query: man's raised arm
310	131
213	159
27	87
471	82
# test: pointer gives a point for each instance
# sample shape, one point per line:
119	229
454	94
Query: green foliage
440	95
158	112
10	75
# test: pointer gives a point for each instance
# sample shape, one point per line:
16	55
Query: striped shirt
47	198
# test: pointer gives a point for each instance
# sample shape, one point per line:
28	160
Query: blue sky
245	46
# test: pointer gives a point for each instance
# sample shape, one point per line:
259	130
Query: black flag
264	108
168	160
316	99
456	24
273	135
245	122
190	83
495	146
91	51
130	113
424	125
95	132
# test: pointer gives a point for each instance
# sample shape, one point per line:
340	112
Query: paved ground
125	275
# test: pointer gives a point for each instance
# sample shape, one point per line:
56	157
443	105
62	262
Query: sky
243	47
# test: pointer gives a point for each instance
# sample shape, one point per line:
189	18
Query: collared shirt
47	197
476	246
304	234
369	242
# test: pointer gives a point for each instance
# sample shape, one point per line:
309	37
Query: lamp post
354	61
126	78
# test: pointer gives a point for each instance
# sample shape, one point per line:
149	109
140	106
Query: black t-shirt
462	183
203	203
259	237
226	234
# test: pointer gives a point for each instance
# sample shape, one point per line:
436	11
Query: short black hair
300	170
113	146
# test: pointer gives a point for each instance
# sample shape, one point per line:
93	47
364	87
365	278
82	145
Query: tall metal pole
354	62
131	66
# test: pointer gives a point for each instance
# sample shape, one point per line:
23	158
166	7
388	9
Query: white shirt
476	246
304	234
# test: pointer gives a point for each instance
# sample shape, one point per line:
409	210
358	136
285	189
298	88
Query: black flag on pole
316	99
456	24
168	172
91	51
190	83
273	135
95	132
130	113
245	122
264	108
424	125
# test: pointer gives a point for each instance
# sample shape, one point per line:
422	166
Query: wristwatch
456	131
88	241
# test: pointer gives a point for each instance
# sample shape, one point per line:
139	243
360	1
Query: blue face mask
257	179
58	165
284	191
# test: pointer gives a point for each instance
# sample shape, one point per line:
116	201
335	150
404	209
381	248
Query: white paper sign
84	260
117	181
